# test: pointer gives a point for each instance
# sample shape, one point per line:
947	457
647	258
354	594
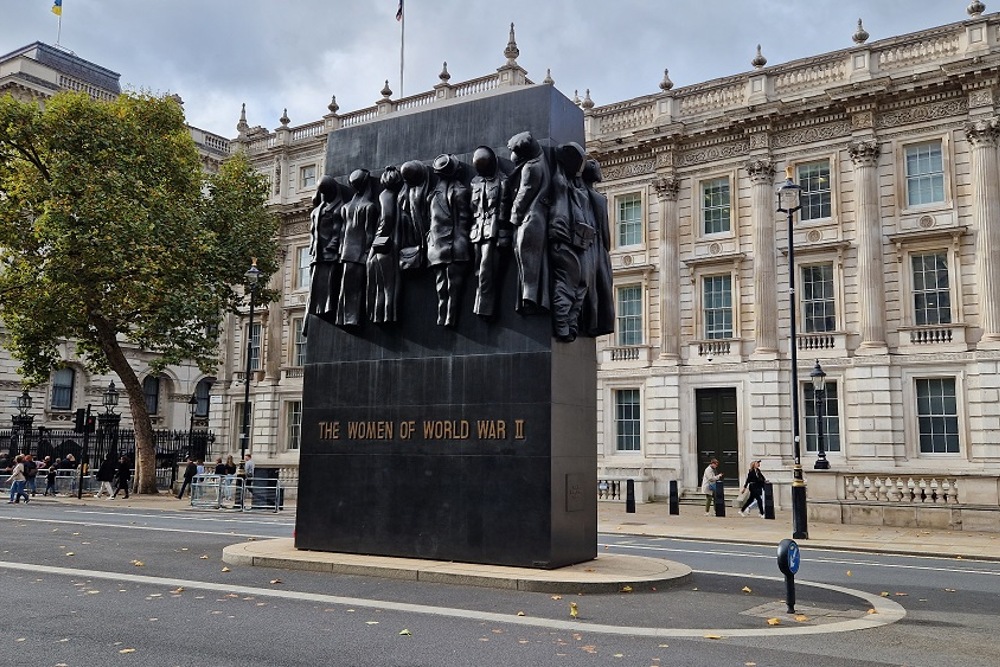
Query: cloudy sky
295	54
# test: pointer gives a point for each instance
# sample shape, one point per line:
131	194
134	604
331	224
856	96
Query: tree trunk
145	451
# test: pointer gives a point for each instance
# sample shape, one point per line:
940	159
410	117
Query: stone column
765	282
982	136
670	268
871	277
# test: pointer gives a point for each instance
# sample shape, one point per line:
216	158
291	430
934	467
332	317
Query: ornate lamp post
192	409
21	425
109	420
818	377
252	276
789	202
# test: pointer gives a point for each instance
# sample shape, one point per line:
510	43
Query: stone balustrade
901	489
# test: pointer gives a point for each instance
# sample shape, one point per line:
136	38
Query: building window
240	410
254	334
151	393
717	300
298	343
627	420
62	389
819	312
307	176
937	415
201	394
814	179
924	174
294	416
715	206
629	219
831	418
629	315
302	280
931	289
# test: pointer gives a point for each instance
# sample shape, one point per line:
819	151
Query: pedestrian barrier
230	492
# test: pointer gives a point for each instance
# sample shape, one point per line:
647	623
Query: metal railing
232	492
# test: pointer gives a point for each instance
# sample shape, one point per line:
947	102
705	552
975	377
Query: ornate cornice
925	112
721	152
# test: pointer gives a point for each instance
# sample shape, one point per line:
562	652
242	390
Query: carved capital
864	152
667	187
982	132
981	98
761	171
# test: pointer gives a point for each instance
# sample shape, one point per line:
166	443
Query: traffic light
80	421
91	424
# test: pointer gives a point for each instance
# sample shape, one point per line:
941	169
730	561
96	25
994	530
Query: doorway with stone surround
718	436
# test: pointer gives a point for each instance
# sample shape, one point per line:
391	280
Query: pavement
610	571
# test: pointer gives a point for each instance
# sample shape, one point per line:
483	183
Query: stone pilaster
761	172
670	268
871	277
985	209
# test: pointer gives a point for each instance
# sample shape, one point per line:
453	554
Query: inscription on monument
427	429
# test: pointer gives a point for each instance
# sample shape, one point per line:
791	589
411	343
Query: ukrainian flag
57	7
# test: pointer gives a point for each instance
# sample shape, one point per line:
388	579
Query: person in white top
708	481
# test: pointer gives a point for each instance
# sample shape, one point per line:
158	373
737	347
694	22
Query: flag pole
402	33
59	30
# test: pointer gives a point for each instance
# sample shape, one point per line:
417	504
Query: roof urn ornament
242	126
975	9
511	52
759	60
548	80
444	75
587	102
333	106
666	84
386	90
860	35
284	120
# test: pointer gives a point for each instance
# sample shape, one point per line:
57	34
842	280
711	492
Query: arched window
62	389
201	392
151	391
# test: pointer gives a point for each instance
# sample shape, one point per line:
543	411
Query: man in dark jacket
189	472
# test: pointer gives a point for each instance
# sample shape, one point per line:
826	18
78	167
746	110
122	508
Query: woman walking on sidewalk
16	481
755	486
708	481
124	476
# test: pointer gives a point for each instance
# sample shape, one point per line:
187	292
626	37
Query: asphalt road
117	586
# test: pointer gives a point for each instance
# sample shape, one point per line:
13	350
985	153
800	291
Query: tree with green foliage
113	237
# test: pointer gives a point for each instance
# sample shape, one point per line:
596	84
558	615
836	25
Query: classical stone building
896	270
34	73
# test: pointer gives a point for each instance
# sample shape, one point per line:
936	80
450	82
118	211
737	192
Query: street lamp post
789	202
252	275
192	409
110	419
22	425
818	376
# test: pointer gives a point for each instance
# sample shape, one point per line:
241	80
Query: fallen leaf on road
901	595
557	597
713	636
277	581
801	619
520	613
70	553
872	611
371	622
138	563
619	655
849	573
774	621
405	633
626	589
226	569
884	594
664	646
127	650
949	590
746	589
205	557
179	589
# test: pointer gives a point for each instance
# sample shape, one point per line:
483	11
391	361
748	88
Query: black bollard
630	496
788	563
720	498
768	500
675	501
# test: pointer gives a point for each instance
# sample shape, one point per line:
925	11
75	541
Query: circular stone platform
606	573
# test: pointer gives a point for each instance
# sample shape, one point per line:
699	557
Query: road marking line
887	611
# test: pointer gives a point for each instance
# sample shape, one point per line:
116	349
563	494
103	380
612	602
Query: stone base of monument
608	573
